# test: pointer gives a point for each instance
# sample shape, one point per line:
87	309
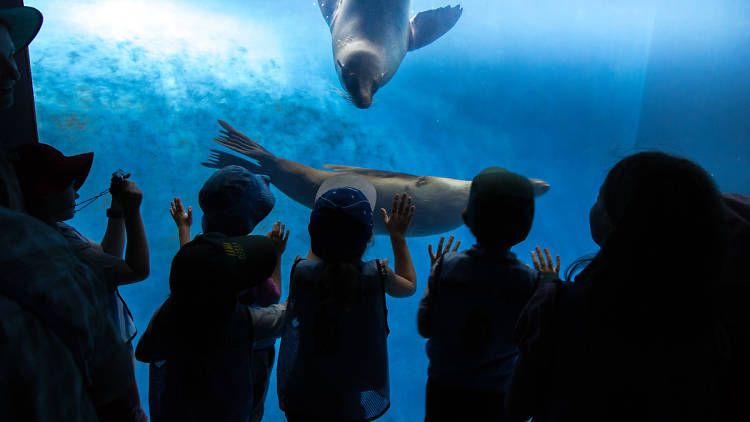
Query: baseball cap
234	201
43	170
501	206
214	264
23	24
342	220
349	180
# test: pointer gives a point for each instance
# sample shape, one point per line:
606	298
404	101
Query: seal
439	200
370	39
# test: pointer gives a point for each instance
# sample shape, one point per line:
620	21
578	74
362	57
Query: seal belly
439	202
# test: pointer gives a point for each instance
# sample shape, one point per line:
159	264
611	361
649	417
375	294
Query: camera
119	175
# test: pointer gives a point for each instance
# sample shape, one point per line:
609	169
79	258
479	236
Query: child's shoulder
477	260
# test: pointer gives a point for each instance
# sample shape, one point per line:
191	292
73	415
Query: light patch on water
235	49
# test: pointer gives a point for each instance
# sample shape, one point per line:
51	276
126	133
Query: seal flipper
368	172
430	25
220	159
328	8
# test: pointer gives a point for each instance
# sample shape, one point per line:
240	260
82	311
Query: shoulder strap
297	260
56	325
383	275
382	271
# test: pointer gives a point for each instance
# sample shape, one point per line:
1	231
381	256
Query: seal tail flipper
220	159
430	25
328	8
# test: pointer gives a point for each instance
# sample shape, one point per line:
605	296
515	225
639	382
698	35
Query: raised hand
440	251
402	212
238	142
278	236
181	218
545	266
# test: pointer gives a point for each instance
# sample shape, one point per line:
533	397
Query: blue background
557	90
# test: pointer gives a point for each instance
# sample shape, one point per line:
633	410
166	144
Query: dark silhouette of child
473	300
634	338
333	359
201	342
234	201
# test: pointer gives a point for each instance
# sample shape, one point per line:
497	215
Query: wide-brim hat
43	170
23	24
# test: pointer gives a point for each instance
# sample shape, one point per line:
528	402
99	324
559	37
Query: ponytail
341	290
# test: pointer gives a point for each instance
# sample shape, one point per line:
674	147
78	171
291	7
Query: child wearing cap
199	341
233	201
49	183
473	300
333	360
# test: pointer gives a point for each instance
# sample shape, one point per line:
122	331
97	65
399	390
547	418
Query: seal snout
364	100
361	74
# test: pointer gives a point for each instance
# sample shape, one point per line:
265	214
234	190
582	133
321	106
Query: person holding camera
49	182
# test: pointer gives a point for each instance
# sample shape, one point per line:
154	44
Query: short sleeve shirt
107	267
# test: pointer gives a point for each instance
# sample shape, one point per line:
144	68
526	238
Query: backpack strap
15	292
294	266
383	275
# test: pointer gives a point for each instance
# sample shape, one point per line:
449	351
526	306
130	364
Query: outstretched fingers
440	246
556	268
178	205
448	245
394	206
384	214
534	259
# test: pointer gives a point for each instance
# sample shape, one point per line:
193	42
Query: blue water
556	90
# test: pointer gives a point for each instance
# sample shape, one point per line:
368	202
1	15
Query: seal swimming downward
439	200
371	37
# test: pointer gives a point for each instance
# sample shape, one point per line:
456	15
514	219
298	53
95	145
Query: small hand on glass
402	212
181	218
545	266
279	236
440	250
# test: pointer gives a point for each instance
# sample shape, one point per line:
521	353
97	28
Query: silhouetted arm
404	284
136	265
183	219
113	241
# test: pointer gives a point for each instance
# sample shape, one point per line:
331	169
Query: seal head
360	74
